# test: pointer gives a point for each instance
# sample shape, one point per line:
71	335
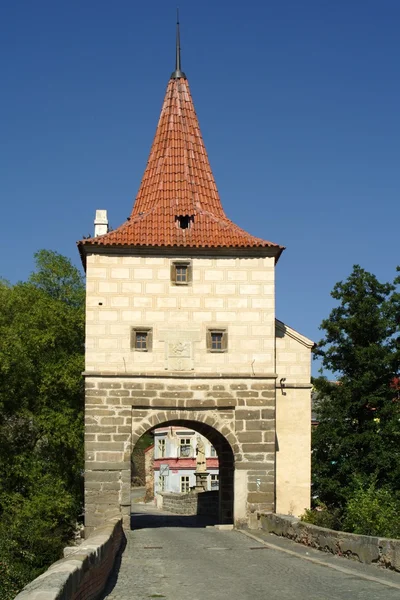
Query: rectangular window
214	481
185	484
141	339
213	451
161	448
185	448
217	340
181	272
161	483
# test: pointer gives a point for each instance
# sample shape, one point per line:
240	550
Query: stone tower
181	330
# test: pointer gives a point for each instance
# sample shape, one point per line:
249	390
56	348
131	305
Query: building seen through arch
175	454
181	331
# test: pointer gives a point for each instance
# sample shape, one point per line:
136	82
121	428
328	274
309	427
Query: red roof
178	182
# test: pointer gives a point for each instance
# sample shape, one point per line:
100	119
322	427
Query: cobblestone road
173	558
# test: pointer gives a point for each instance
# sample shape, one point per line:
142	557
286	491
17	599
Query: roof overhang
86	249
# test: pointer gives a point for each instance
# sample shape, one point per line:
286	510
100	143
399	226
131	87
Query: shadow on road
154	519
113	577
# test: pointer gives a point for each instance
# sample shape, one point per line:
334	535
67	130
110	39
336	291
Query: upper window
217	340
161	448
214	481
185	448
141	339
213	451
181	272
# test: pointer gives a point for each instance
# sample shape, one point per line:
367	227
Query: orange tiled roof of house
178	204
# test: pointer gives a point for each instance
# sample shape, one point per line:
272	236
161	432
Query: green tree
359	428
41	417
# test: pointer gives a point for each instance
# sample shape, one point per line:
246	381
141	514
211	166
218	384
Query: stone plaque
179	354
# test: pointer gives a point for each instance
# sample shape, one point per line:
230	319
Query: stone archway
236	413
206	426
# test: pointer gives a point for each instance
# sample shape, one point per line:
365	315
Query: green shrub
373	511
323	517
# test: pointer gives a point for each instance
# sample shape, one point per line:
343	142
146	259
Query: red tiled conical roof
178	204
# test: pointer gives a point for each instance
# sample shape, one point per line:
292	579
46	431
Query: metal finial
178	74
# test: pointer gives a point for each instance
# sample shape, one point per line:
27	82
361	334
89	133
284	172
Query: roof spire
178	74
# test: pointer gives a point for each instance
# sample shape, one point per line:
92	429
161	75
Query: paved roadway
180	558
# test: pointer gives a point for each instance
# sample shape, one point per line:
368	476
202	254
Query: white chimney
100	223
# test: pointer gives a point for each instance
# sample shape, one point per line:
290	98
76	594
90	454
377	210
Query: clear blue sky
298	102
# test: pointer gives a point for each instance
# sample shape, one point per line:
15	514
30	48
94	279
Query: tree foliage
359	414
41	417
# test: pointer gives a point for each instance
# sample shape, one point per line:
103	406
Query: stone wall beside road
83	572
364	548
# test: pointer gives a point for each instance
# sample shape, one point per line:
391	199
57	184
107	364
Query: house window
161	483
213	451
185	448
181	272
161	448
185	484
141	339
214	481
217	340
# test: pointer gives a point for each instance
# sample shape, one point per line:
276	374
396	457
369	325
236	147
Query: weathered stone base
203	503
236	414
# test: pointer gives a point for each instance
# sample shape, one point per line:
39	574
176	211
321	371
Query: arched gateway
181	328
209	426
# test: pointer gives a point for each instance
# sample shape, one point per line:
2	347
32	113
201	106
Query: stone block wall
128	291
293	421
383	552
193	503
237	415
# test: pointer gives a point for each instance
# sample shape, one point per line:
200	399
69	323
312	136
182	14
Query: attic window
181	272
184	221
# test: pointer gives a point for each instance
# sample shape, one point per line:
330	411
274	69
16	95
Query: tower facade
181	330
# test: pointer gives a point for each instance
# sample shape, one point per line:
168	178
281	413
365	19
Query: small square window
141	339
181	272
217	340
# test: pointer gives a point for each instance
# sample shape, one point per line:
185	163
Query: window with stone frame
213	452
161	448
185	484
217	340
141	339
185	448
181	272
